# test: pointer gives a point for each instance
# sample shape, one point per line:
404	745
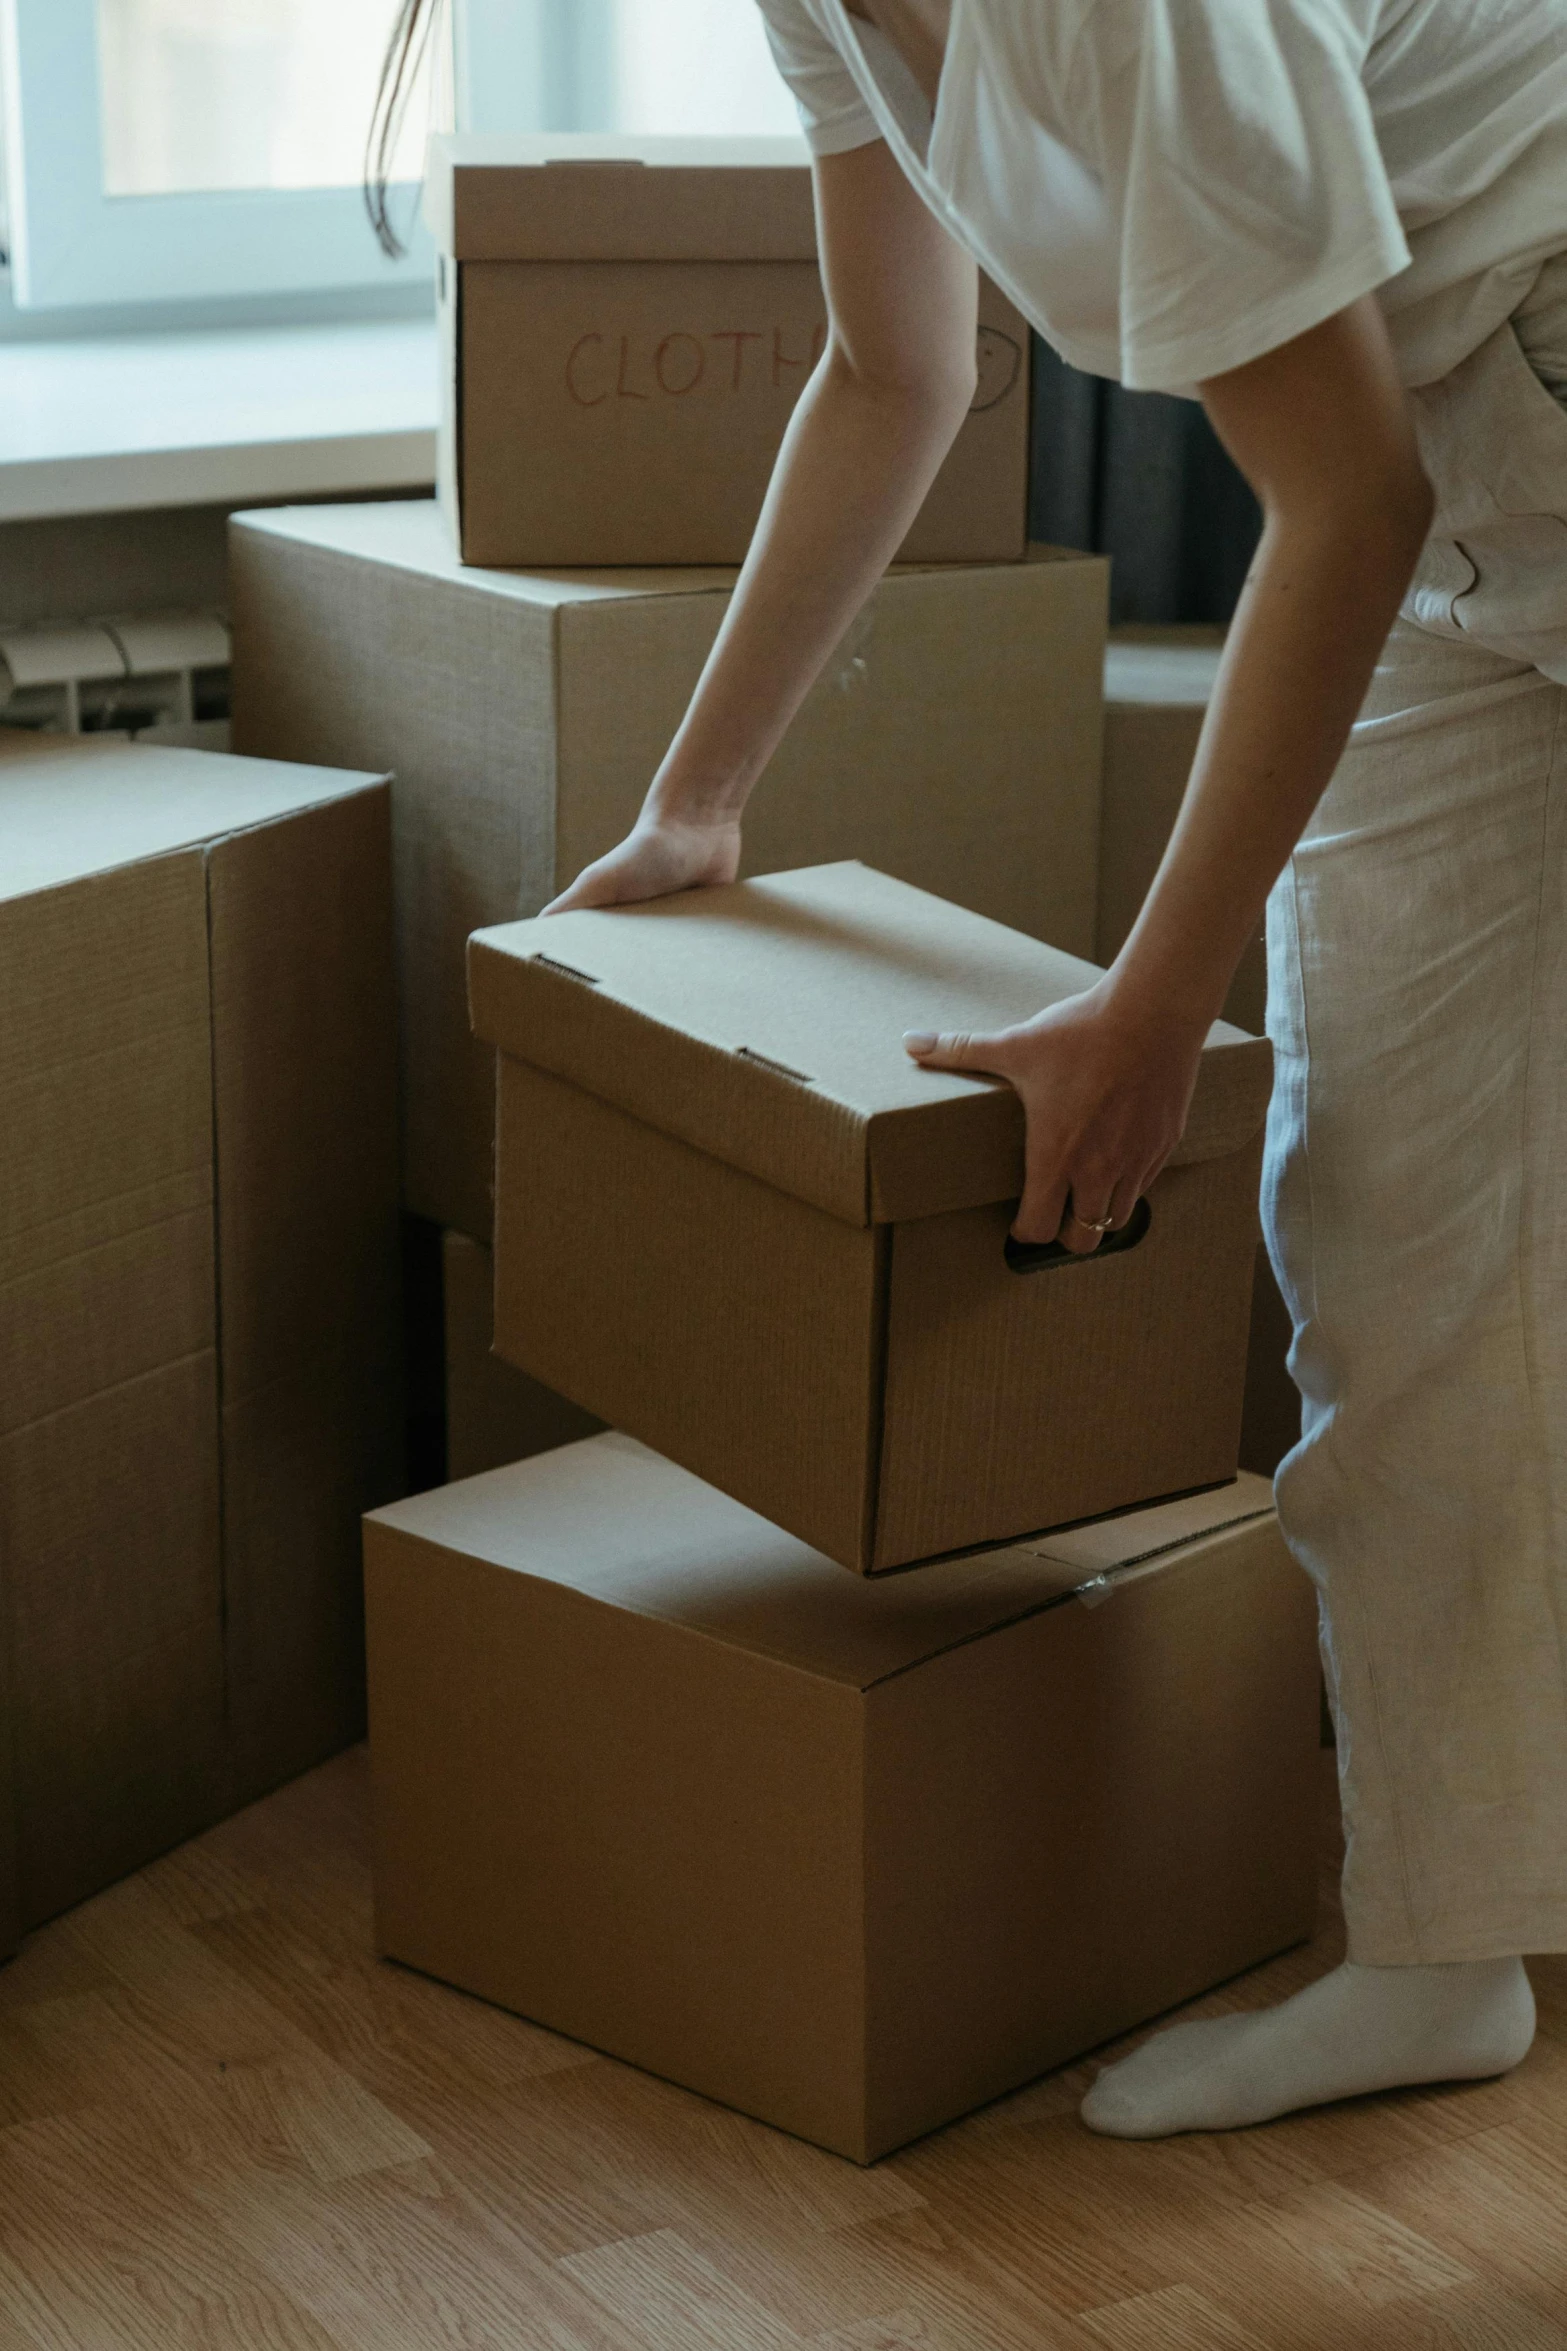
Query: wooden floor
224	2124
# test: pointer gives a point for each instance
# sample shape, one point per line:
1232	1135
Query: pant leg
1415	1197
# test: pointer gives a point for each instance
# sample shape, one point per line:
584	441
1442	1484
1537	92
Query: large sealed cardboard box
199	1341
626	325
852	1857
494	1413
523	716
1158	684
736	1220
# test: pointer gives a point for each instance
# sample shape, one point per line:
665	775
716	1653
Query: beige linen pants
1415	1199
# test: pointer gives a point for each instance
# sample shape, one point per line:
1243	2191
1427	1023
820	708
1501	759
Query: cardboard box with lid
1158	684
736	1220
953	739
199	1337
626	325
853	1857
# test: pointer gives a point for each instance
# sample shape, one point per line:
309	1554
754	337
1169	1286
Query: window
186	150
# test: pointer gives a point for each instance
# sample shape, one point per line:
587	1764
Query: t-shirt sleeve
1253	199
833	113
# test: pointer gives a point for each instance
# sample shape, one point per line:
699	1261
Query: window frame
72	247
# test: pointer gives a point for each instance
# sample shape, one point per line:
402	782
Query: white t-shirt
1169	188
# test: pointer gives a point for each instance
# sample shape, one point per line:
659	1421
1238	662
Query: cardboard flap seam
568	970
832	1177
780	1068
1110	1579
135	1379
44	1267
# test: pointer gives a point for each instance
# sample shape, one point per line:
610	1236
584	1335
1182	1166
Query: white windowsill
109	423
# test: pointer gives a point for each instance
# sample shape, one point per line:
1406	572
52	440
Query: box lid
73	805
764	1024
617	1523
592	196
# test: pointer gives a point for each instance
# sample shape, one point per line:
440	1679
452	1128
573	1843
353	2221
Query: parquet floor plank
226	2126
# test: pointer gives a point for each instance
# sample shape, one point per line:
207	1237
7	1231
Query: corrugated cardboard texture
197	1220
654	1301
883	1395
620	411
764	1024
1123	1804
1142	1356
852	1857
523	717
727	1222
307	1224
494	1413
629	324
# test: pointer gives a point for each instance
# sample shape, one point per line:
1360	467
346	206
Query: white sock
1357	2029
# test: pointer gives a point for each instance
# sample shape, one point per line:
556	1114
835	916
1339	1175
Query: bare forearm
851	476
1317	607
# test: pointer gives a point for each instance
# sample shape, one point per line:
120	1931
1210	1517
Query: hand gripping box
626	326
853	1857
736	1220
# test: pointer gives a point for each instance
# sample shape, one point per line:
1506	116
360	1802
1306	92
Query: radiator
160	677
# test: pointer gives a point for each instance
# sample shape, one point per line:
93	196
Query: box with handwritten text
627	324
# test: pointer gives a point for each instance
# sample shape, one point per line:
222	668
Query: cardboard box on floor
1158	683
852	1857
494	1413
626	325
735	1219
524	717
199	1344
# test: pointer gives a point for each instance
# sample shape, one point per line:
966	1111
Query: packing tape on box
1110	1580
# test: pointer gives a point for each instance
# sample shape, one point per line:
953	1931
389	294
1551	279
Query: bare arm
1321	430
863	445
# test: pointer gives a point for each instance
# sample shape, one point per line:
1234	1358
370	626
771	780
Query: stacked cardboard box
522	716
854	1856
852	1852
198	1285
1158	684
626	326
735	1219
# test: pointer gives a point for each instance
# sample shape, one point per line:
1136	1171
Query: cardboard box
1158	683
735	1219
199	1343
851	1857
494	1413
626	325
524	716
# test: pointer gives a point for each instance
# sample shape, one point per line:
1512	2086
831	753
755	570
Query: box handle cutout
567	970
1040	1256
781	1068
